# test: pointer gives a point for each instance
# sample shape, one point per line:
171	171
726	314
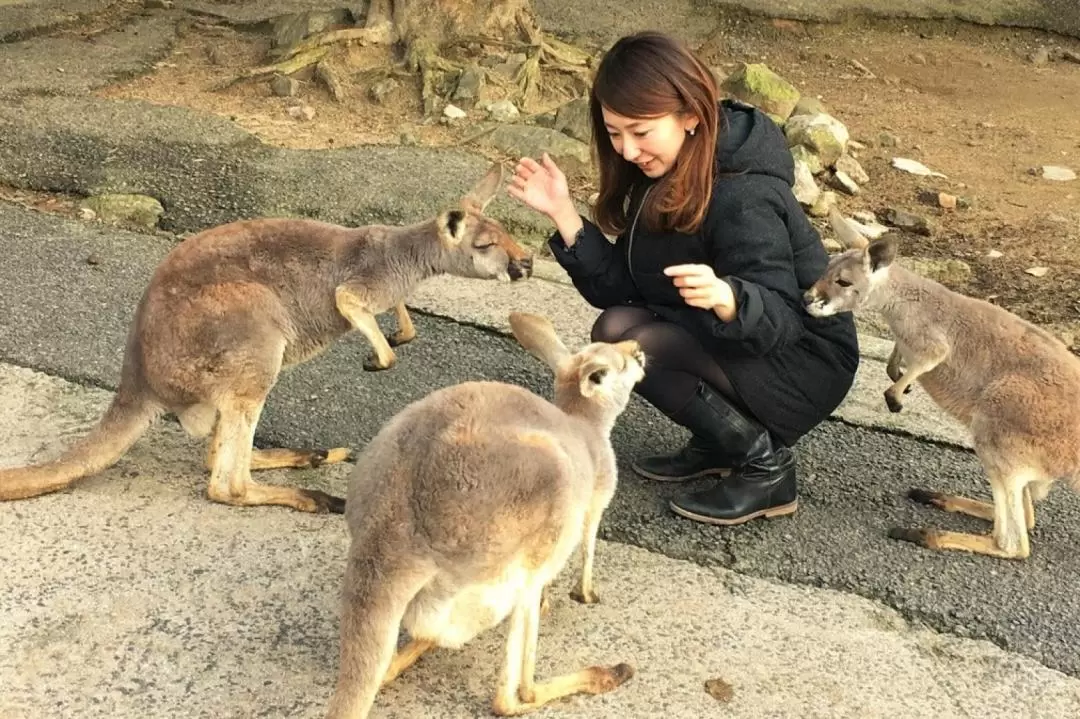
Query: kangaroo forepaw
893	402
326	503
589	597
372	363
925	496
921	537
399	338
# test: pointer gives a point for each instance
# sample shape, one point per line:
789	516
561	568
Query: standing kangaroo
1013	385
466	505
229	308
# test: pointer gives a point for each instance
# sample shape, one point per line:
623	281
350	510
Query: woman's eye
642	133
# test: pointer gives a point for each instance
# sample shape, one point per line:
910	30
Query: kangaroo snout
520	269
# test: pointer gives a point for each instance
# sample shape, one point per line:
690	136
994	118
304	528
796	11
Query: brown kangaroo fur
1013	385
229	308
466	505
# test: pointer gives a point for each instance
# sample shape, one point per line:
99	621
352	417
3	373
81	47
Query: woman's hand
542	186
700	287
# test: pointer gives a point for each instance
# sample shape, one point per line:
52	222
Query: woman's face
651	143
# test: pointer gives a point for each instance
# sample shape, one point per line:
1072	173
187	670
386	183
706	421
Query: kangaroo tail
374	601
126	419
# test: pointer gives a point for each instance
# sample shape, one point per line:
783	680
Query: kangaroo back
467	504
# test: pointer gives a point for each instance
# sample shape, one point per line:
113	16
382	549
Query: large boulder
759	86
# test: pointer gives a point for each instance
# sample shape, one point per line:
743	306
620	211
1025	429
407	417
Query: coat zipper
630	240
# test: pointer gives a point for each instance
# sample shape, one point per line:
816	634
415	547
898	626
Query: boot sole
686	478
770	513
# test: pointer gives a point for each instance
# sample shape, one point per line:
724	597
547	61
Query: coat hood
750	142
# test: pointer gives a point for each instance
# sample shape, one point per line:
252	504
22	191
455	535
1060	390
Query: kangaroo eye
843	283
484	245
598	376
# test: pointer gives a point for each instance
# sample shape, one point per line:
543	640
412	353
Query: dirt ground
967	101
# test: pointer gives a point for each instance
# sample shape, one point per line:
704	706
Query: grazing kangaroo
470	501
1013	385
229	308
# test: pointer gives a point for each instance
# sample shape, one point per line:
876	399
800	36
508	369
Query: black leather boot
715	446
765	486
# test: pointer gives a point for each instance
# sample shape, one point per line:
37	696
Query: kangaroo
1013	385
230	307
466	505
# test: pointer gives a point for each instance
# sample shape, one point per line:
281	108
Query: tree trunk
435	22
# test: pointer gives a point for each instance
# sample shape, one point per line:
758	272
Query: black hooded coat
790	369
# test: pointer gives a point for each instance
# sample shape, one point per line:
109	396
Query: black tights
675	360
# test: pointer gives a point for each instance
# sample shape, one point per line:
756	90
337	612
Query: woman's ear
690	124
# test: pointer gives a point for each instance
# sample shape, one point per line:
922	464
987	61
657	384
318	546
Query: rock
284	86
831	245
918	58
800	153
85	213
93	259
532	141
759	86
887	139
939	199
805	189
575	120
809	106
1055	172
214	55
949	272
907	221
850	166
125	209
843	182
469	85
408	139
512	65
1040	57
825	202
157	4
302	112
382	89
454	112
503	111
864	216
1037	271
291	29
823	134
994	254
1070	55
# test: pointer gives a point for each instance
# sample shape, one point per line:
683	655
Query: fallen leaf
720	690
914	167
1037	271
994	254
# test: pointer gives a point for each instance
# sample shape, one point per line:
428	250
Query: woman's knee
615	323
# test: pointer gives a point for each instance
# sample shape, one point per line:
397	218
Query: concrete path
133	596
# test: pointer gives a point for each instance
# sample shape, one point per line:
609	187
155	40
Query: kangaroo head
479	246
851	278
600	376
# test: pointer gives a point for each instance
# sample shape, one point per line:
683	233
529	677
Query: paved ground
132	595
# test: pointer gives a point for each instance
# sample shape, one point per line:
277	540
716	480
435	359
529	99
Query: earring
691	130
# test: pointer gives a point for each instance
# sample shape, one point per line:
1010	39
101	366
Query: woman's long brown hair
645	75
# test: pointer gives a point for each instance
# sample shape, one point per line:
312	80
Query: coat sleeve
597	268
751	250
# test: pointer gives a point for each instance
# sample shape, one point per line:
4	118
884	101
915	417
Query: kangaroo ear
485	190
881	253
592	377
849	237
537	335
451	227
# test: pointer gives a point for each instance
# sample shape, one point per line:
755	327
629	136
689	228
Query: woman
712	256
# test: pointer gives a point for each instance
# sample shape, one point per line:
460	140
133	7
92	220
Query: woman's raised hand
541	186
